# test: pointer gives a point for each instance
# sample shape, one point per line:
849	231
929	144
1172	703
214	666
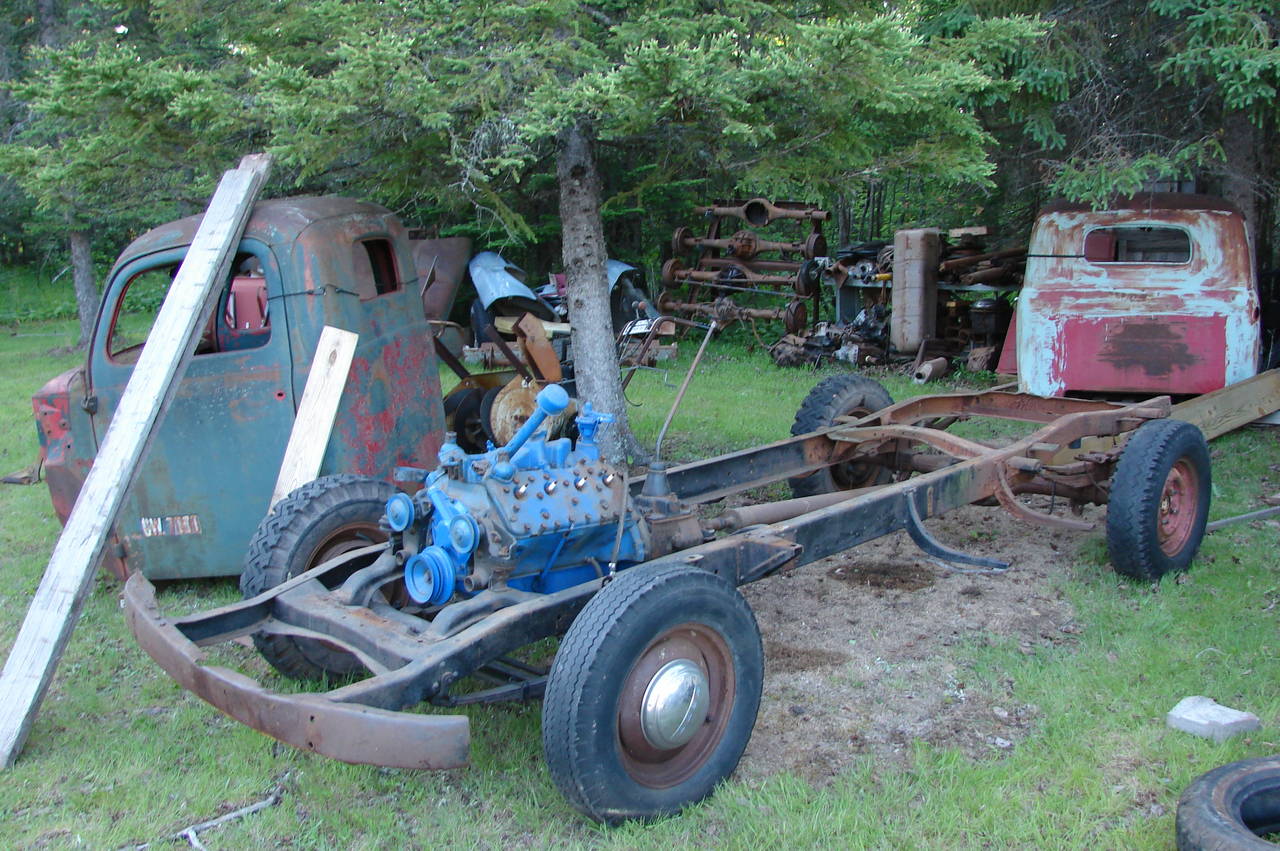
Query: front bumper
349	732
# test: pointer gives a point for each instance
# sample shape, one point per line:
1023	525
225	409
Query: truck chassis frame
1072	455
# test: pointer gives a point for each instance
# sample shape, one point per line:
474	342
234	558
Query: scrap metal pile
706	273
948	297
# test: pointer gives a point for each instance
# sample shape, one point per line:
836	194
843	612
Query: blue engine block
536	515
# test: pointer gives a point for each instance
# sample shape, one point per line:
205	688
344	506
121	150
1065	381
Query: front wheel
653	694
318	521
1159	500
1232	806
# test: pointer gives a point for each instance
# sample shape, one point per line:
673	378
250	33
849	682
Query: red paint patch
1178	354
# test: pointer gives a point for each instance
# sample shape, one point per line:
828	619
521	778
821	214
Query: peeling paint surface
207	479
1135	325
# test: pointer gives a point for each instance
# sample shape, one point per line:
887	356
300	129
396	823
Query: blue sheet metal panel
493	279
208	475
391	413
208	478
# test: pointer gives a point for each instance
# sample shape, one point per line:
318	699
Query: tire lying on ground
1159	500
845	394
318	521
1233	806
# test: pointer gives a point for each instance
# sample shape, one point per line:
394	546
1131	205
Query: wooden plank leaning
1233	406
319	405
69	575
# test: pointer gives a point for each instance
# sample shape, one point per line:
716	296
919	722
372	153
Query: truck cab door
205	481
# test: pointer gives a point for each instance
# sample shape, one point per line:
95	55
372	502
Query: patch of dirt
863	655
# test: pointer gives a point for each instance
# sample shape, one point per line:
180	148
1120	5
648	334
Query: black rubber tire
621	304
840	395
633	621
1233	806
312	523
467	424
1163	474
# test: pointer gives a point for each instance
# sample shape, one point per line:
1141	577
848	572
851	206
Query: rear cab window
376	270
1137	244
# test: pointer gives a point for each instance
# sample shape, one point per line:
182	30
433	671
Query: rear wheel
840	395
1233	806
1159	500
320	520
653	694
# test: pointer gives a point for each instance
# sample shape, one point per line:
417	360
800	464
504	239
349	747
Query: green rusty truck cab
207	479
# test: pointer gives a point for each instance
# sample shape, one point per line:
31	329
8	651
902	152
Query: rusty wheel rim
700	648
344	539
1179	506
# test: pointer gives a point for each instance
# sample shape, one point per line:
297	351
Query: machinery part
441	265
939	552
627	303
511	409
653	693
351	732
681	240
1159	500
840	395
930	370
815	245
795	317
915	287
467	422
723	310
746	245
758	212
1232	806
314	523
809	278
671	270
684	385
536	349
481	318
501	291
485	414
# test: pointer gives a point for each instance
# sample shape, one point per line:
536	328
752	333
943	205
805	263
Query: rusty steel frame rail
414	660
357	723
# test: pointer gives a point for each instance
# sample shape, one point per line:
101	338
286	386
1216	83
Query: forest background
116	115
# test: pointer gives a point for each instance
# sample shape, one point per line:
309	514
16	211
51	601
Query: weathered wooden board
314	422
68	577
1234	406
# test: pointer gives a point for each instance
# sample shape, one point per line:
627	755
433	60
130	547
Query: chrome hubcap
675	704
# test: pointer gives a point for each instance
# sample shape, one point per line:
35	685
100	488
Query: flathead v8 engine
537	515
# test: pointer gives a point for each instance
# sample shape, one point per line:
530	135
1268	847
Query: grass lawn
121	755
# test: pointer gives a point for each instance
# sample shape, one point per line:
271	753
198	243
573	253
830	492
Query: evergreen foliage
120	113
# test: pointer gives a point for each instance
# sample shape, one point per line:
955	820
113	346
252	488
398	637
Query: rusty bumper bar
344	731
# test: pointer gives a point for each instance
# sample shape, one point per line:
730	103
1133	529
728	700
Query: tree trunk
86	290
47	16
587	289
1241	182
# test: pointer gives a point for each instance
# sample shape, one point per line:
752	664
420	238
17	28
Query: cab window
1137	244
375	268
240	321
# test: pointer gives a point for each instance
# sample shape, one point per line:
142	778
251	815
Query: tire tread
832	397
1136	486
267	559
